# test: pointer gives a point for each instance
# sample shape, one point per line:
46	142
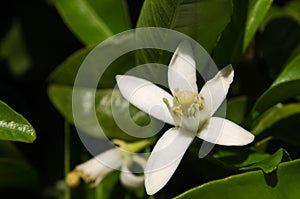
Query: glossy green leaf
239	159
236	109
13	50
230	46
271	163
285	86
14	126
115	13
284	131
17	175
276	113
61	97
255	184
253	158
273	13
203	20
66	72
257	10
245	21
292	8
91	21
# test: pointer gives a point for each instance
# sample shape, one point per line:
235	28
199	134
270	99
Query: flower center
186	108
187	103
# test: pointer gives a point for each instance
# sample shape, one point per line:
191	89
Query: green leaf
272	116
14	126
236	109
91	21
230	46
203	20
271	163
17	174
237	159
245	21
114	13
66	72
11	150
276	49
284	131
61	97
292	8
282	184
253	158
109	187
285	86
13	50
256	12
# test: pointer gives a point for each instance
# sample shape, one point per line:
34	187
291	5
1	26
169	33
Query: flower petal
98	167
129	179
182	69
146	96
224	132
165	158
215	90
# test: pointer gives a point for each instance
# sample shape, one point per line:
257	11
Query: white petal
182	69
224	132
146	96
98	167
129	179
190	123
215	90
165	158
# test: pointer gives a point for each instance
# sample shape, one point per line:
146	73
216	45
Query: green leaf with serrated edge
273	115
285	86
254	184
271	163
257	10
203	20
14	126
61	97
91	21
17	174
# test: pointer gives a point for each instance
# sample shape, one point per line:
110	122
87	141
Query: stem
67	157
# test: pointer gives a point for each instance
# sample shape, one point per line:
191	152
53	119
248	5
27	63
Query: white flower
94	170
191	112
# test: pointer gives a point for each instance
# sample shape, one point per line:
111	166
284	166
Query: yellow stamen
73	178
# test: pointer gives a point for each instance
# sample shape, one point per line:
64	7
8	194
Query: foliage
44	43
